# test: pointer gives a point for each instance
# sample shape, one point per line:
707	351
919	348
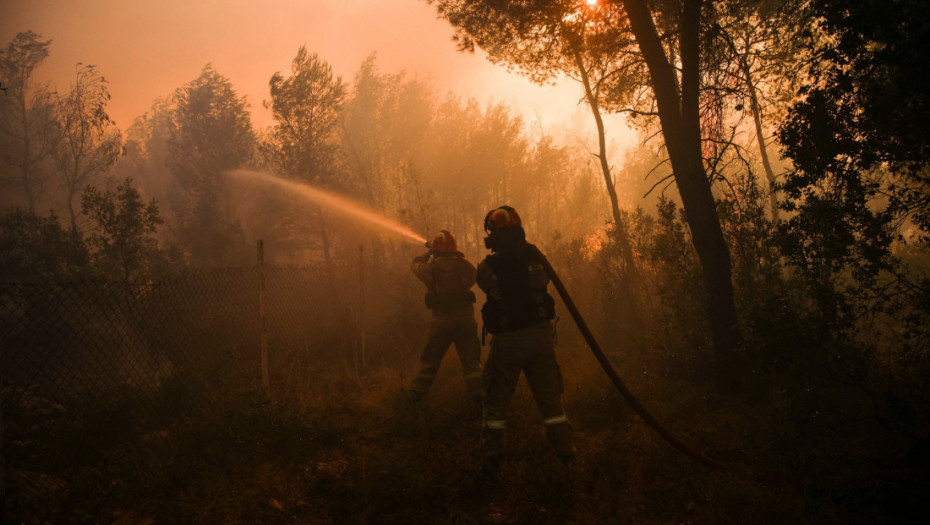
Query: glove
424	257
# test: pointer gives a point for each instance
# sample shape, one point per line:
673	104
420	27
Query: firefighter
518	314
448	277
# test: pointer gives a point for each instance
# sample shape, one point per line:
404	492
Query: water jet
337	203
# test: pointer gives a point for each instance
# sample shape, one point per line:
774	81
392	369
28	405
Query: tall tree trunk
756	109
679	114
27	156
72	213
763	150
623	234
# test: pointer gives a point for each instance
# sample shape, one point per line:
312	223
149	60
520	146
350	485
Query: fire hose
627	394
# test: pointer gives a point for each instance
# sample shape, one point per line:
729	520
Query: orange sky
148	49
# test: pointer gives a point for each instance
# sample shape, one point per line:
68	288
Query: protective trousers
532	352
463	333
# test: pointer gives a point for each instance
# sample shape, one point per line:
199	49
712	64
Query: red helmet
443	242
501	217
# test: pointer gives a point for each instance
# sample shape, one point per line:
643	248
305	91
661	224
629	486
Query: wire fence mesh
88	367
85	365
69	342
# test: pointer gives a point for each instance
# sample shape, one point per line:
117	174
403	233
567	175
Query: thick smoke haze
148	49
715	310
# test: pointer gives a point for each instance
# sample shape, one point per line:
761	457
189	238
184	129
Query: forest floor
360	451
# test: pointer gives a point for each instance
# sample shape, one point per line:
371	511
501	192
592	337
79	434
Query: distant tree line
384	140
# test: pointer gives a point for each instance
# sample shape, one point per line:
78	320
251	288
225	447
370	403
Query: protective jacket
515	283
448	277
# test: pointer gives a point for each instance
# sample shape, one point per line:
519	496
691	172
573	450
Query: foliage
859	144
306	107
386	120
752	67
302	144
122	241
858	138
145	153
25	116
541	39
210	134
37	248
211	131
443	164
87	142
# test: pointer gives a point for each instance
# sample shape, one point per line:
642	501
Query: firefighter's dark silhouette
448	277
519	315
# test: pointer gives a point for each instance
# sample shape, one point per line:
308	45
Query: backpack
521	305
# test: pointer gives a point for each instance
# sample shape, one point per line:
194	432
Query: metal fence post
361	306
261	313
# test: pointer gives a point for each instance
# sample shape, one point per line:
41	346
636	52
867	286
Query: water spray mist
336	203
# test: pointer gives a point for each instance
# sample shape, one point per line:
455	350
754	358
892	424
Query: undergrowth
370	455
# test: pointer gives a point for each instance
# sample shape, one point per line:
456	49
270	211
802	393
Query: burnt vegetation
756	270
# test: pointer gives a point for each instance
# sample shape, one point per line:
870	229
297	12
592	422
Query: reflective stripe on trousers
529	352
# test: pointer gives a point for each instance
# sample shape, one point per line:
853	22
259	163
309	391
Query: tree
752	61
672	60
858	137
34	248
859	143
145	151
123	238
472	160
365	130
88	143
384	126
25	113
306	107
210	134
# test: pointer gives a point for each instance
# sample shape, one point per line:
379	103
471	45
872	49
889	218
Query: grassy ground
359	451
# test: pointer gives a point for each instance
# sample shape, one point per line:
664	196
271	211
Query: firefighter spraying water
448	277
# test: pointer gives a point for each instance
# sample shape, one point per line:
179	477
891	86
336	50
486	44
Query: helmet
443	242
501	217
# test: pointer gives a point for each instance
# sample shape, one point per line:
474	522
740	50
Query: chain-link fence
86	364
70	342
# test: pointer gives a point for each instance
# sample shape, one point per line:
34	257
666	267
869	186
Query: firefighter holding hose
518	314
448	277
